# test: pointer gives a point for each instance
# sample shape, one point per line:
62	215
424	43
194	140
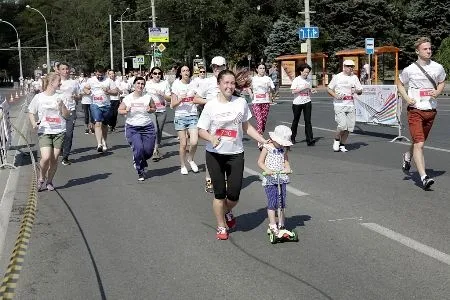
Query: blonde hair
49	78
421	41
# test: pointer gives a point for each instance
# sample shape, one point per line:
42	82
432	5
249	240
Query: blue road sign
308	33
370	45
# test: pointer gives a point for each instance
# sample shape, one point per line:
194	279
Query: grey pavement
367	231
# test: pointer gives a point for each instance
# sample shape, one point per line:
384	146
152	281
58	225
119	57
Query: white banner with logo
378	104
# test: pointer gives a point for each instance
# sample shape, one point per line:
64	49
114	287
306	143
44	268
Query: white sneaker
336	145
193	166
104	147
343	149
184	170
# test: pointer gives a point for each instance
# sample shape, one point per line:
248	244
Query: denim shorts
100	113
185	122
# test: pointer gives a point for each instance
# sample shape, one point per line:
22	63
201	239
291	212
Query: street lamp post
19	48
46	37
121	40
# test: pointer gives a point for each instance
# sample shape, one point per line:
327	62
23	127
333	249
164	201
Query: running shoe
66	162
141	177
336	145
40	185
86	131
156	155
230	219
427	182
91	131
194	166
100	148
50	186
184	170
104	148
342	148
274	230
222	233
406	164
208	186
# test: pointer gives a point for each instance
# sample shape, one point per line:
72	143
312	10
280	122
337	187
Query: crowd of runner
215	109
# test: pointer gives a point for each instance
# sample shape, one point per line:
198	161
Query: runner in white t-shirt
301	88
223	123
139	128
70	89
342	88
86	101
185	120
100	88
47	113
115	102
263	88
421	99
159	90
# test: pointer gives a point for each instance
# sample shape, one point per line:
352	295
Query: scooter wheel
272	238
294	236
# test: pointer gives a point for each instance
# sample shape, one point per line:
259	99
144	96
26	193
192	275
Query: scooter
283	234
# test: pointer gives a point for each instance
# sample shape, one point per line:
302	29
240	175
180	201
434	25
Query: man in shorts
426	80
101	88
342	88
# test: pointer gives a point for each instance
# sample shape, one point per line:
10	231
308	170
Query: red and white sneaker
222	233
230	219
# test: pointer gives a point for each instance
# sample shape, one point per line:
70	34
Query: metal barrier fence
5	134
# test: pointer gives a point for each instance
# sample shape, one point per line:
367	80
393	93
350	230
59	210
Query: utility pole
307	13
153	63
111	42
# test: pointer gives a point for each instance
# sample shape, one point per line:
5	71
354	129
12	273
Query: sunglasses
202	72
350	66
156	73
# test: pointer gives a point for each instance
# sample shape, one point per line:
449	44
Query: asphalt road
367	231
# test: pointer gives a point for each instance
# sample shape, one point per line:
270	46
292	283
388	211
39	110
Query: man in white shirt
71	90
115	102
426	80
342	88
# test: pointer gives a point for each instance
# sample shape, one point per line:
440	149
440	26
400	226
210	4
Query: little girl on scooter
273	160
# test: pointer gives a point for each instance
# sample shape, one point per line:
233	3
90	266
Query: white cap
282	135
349	62
218	61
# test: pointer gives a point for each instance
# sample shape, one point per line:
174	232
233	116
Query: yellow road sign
161	47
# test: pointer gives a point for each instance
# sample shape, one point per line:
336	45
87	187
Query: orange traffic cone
17	96
11	99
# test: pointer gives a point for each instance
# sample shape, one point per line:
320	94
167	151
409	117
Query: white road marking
408	242
347	219
403	143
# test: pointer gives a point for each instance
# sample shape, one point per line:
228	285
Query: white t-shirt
225	119
85	99
419	86
46	107
99	97
186	93
138	115
342	85
299	83
69	88
157	90
261	86
115	97
208	89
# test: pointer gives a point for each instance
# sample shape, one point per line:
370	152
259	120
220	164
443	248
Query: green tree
283	39
443	55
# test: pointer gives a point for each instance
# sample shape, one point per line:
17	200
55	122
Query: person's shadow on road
84	180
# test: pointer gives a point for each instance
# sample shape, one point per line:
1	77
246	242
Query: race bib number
226	133
98	98
303	94
53	120
260	96
138	107
348	98
425	93
187	99
159	105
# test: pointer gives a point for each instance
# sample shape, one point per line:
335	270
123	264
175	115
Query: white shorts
345	117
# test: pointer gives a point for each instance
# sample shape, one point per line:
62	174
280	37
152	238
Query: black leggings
232	166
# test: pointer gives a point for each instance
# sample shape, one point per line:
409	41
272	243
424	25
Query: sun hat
281	135
218	61
349	62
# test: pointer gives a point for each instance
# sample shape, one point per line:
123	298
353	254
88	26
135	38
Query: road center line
403	143
408	242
